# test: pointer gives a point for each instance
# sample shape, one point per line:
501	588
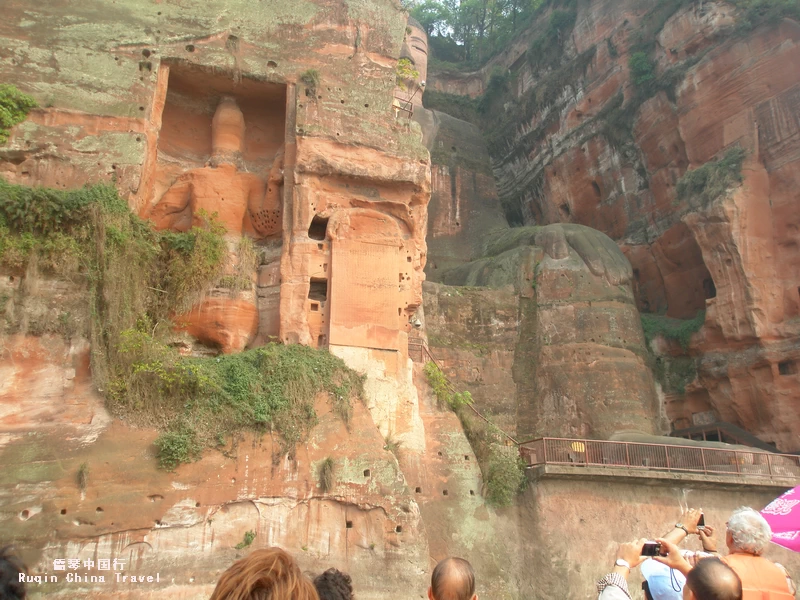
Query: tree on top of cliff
14	107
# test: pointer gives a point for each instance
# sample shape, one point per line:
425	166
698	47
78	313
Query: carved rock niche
220	150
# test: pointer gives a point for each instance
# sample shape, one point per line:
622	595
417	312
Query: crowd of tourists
669	573
673	574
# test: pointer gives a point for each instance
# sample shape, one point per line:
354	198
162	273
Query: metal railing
660	457
416	349
403	105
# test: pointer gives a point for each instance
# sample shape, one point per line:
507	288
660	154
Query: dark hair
646	589
712	579
453	579
10	567
268	574
334	585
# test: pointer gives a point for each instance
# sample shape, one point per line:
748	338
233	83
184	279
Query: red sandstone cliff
601	152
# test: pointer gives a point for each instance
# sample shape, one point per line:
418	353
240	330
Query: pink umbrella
783	516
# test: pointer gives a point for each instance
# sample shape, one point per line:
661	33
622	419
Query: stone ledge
657	477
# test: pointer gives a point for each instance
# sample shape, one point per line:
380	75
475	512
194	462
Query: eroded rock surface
579	362
717	84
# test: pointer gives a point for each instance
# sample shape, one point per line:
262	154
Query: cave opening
318	228
709	289
787	367
596	189
318	290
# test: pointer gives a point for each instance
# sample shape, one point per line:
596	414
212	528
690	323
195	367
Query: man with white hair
747	536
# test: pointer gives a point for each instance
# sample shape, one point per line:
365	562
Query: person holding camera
747	536
709	580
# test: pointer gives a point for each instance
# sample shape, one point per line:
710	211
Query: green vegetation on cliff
753	13
503	469
678	330
445	394
705	184
518	126
674	373
203	402
138	279
14	107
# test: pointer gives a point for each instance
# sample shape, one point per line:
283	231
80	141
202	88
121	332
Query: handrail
660	457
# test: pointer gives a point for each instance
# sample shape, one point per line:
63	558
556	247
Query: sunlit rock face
275	124
575	161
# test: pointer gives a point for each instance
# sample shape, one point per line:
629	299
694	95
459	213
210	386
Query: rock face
280	119
185	526
717	83
579	364
246	115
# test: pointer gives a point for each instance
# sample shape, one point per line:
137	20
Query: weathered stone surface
736	258
573	334
185	525
214	108
472	332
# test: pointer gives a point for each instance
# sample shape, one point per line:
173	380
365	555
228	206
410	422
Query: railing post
544	443
703	457
736	459
666	455
769	465
627	454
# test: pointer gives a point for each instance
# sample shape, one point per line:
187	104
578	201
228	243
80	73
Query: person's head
268	574
453	579
712	579
10	567
334	585
748	532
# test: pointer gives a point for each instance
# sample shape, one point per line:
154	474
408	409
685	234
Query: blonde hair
269	574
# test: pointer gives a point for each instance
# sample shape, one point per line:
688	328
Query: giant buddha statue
245	205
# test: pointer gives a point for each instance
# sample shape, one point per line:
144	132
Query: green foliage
327	475
138	280
678	330
642	68
189	262
14	107
177	446
249	537
505	477
405	72
443	391
498	86
546	50
202	401
460	107
753	13
674	373
43	211
311	80
83	476
503	470
712	180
